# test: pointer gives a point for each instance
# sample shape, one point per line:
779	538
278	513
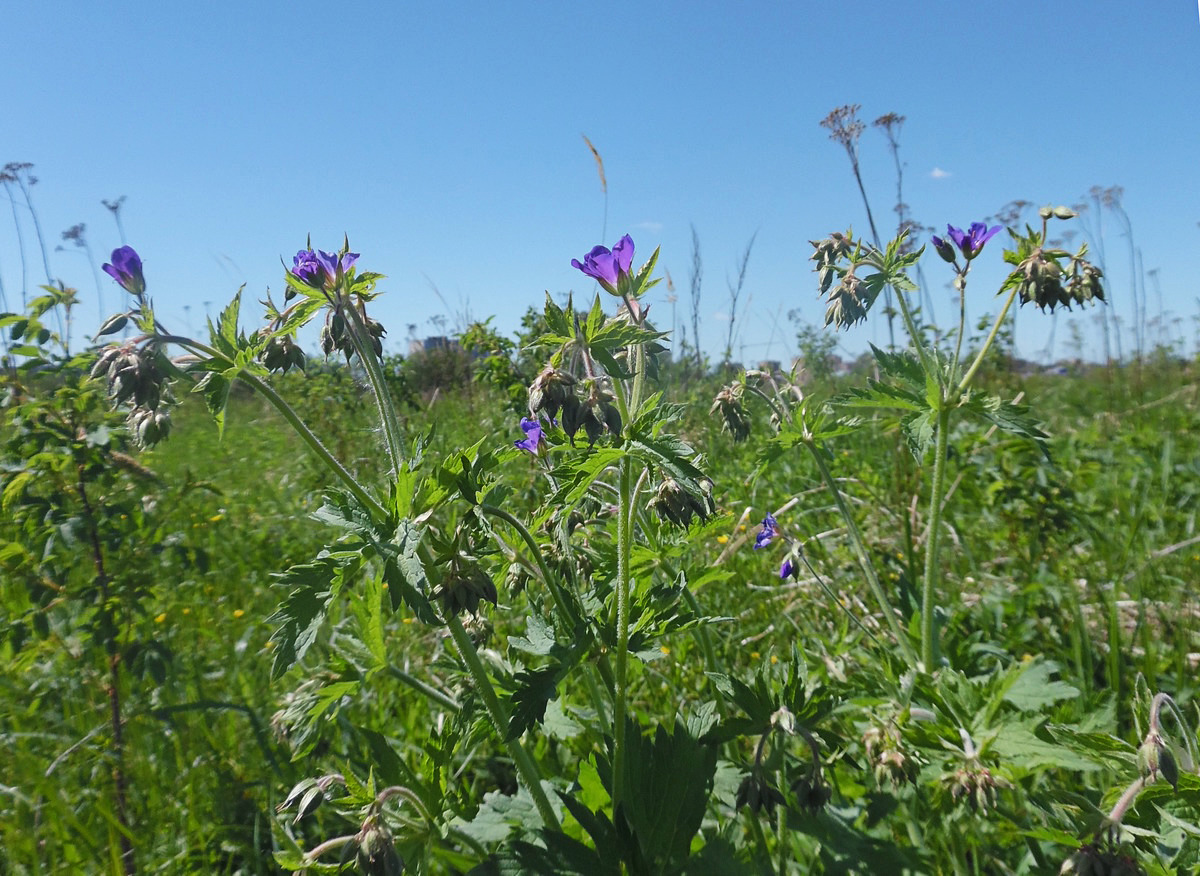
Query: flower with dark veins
533	436
970	242
607	266
320	269
126	269
768	533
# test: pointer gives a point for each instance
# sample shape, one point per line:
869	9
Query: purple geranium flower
126	269
321	269
533	435
608	266
786	568
768	533
970	242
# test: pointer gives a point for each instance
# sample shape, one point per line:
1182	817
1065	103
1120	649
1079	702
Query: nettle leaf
302	612
901	364
668	777
882	395
224	335
556	318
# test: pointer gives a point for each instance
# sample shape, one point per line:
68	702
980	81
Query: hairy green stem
624	552
864	558
560	599
526	768
361	338
428	690
288	412
966	380
933	541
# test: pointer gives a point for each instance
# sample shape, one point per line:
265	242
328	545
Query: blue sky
446	141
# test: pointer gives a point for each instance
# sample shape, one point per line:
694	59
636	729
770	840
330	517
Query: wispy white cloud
652	227
938	173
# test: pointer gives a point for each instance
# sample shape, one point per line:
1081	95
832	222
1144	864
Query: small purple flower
126	269
320	269
608	266
768	533
533	435
970	242
786	568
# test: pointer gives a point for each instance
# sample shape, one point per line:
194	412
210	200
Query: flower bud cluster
463	587
672	502
1044	281
730	405
975	784
757	793
587	404
550	391
282	353
827	253
137	376
377	855
335	335
1155	760
812	792
889	761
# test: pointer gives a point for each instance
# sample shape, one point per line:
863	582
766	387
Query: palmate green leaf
535	688
1018	743
501	815
574	478
300	616
561	855
671	454
1032	690
919	431
1010	417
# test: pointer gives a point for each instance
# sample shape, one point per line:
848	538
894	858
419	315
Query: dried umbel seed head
729	404
757	793
550	391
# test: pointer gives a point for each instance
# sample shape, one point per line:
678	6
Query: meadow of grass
1082	561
